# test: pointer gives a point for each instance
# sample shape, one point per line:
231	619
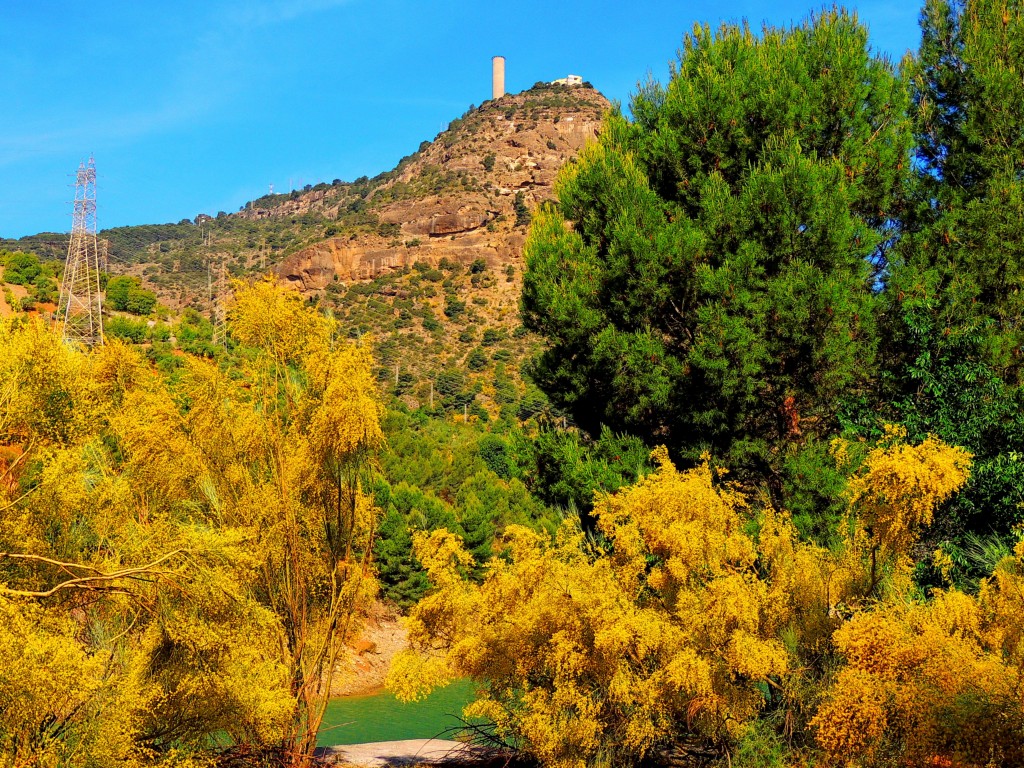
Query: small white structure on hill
569	80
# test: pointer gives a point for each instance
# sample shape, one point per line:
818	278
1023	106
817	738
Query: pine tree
477	531
961	263
401	576
715	287
954	306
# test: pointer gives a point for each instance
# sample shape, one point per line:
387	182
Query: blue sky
196	106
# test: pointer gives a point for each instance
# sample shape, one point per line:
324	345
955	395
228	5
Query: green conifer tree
715	287
402	578
477	531
960	266
954	305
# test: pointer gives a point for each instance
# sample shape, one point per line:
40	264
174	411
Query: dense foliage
792	241
704	613
952	315
715	289
126	294
37	279
181	562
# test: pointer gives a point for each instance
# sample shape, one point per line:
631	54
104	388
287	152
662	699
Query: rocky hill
461	198
426	258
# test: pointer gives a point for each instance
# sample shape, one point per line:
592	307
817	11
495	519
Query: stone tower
497	77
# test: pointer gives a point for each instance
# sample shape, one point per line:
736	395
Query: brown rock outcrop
313	268
456	198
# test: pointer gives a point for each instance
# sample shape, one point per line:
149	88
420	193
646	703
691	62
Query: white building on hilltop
569	80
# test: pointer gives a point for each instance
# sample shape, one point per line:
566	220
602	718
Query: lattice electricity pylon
220	309
78	312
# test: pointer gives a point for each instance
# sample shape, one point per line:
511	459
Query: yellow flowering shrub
697	615
46	679
180	563
937	680
927	680
589	657
900	485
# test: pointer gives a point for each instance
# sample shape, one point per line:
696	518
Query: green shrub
523	216
494	451
477	359
453	307
20	268
45	288
492	336
125	328
450	382
126	294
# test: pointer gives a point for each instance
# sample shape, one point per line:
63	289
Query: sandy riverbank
410	752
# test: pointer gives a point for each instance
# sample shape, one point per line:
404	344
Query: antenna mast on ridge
78	312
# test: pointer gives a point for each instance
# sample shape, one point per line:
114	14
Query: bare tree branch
93	582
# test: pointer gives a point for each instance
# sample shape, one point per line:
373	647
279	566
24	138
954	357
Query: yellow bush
932	679
46	679
691	622
587	657
187	559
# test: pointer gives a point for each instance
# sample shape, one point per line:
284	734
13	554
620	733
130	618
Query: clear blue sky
196	106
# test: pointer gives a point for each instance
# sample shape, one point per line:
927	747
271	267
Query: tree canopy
180	562
715	287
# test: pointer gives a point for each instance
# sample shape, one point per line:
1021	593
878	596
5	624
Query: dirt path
366	662
5	309
409	752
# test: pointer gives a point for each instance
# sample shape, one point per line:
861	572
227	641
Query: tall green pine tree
715	287
954	305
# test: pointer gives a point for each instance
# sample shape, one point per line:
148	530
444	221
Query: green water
381	717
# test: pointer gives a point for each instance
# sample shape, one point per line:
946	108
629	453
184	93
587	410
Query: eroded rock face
442	224
509	149
313	268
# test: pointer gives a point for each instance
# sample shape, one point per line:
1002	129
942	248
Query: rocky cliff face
456	198
312	268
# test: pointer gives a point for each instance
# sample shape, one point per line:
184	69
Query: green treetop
961	264
715	288
953	314
126	294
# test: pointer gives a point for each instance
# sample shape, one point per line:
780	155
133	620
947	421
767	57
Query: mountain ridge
457	197
462	188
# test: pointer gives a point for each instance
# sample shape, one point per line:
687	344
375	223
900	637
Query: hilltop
425	257
465	182
463	197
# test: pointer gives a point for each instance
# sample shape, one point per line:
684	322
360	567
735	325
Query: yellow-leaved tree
925	681
589	657
181	560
